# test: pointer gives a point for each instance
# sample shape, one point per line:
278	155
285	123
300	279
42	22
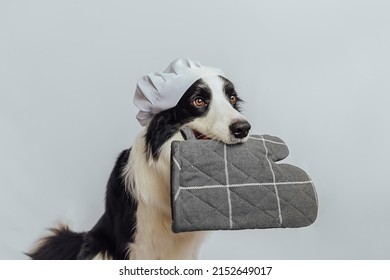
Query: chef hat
162	90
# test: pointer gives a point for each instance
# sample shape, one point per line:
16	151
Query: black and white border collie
137	220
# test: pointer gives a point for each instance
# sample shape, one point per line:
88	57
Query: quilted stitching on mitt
228	187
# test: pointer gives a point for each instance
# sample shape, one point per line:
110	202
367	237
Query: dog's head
216	109
210	107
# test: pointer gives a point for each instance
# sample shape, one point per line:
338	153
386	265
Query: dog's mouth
200	136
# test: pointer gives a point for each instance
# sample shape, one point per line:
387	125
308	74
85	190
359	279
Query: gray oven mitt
215	186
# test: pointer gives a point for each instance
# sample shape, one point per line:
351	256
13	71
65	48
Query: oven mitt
215	186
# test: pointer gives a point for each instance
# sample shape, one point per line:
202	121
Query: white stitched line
177	194
245	185
178	191
227	186
274	179
178	165
266	140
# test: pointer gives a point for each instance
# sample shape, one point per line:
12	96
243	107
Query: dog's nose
240	129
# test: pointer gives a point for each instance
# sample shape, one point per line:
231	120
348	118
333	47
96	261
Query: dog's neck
152	175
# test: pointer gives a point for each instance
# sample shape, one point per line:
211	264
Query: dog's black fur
111	234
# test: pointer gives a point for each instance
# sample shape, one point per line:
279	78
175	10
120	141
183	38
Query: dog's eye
233	99
199	102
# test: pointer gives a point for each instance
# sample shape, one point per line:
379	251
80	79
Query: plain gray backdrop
315	73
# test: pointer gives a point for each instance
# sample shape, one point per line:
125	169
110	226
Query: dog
137	219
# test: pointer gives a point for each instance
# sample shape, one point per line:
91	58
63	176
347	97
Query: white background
314	73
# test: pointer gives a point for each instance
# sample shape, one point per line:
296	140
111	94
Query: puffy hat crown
160	91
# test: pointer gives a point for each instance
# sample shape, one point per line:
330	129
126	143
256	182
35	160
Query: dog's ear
162	127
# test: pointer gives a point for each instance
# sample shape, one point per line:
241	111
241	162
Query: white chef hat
162	90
